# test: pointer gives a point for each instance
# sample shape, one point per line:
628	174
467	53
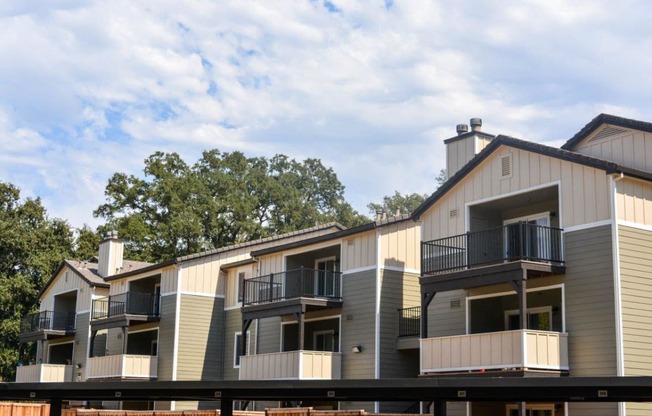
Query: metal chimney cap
476	123
461	129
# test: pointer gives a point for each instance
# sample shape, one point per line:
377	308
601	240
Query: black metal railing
48	320
130	303
518	241
409	322
292	284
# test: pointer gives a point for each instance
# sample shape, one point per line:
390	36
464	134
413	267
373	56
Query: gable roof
601	119
87	271
607	166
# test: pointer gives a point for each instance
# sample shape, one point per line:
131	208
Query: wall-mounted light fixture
79	365
356	349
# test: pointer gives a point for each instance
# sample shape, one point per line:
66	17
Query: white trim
235	345
401	269
177	318
359	269
323	332
636	225
168	293
230	308
377	316
620	361
513	193
312	247
511	292
535	310
201	294
531	217
141	330
82	312
587	226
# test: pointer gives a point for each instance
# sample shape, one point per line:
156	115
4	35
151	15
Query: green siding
166	337
233	324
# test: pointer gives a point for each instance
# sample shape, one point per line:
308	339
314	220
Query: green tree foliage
397	203
224	198
31	248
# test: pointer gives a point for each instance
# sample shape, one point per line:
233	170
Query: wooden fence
24	409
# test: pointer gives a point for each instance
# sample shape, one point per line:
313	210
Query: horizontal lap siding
166	337
636	278
590	313
201	338
358	324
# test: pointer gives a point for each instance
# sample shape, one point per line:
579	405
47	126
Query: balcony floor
288	306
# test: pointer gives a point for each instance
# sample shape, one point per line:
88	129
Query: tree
31	248
397	203
224	198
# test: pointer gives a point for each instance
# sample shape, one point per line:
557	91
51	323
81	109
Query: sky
372	88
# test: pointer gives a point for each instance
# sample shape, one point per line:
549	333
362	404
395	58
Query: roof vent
476	124
506	166
461	129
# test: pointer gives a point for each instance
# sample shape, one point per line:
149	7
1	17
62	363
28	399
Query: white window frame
537	310
236	352
323	332
534	406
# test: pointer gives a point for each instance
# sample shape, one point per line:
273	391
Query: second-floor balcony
119	310
123	367
46	325
521	241
43	373
293	284
292	365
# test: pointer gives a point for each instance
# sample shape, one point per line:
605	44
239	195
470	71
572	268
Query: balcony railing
43	373
130	303
123	366
292	365
506	350
48	321
409	322
293	284
518	241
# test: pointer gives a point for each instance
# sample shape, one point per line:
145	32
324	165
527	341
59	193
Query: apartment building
536	261
529	261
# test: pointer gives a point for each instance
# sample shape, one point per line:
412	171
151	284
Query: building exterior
530	260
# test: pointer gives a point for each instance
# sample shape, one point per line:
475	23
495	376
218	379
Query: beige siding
458	152
630	148
272	263
201	338
590	316
634	201
359	251
399	290
635	265
445	318
166	337
358	324
68	281
170	279
231	282
400	245
583	193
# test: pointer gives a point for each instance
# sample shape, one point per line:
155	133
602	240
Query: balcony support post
271	287
91	347
125	334
245	327
55	407
522	409
520	286
226	407
426	298
299	316
439	408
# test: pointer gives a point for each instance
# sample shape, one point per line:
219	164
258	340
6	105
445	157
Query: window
324	341
241	279
237	348
532	410
539	319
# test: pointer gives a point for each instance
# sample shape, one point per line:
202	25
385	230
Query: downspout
177	318
620	359
377	312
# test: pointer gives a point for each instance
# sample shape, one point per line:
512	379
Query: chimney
476	124
110	256
465	145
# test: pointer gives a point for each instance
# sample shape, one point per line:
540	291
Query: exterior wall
168	280
358	325
268	337
634	201
459	152
68	281
272	263
583	194
400	246
359	251
166	337
630	148
201	338
80	350
231	283
232	325
445	319
590	314
635	246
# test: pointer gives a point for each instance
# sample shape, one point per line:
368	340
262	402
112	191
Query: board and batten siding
68	281
359	251
583	193
400	245
201	338
636	298
459	152
634	201
630	148
358	324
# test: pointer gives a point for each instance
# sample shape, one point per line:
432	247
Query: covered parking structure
437	390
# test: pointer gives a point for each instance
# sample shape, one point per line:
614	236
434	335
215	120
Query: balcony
122	309
513	242
409	322
122	366
47	325
292	365
43	373
520	350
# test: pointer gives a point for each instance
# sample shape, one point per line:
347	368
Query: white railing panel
122	366
44	373
291	365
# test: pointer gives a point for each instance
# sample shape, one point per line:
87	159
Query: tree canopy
224	198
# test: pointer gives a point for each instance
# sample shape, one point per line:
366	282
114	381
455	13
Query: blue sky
372	88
